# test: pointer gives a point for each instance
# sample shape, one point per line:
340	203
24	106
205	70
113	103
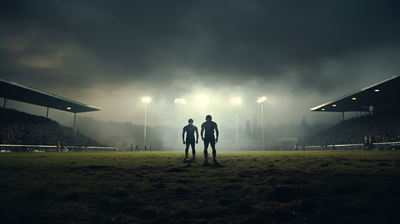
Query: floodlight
180	101
146	99
237	101
262	99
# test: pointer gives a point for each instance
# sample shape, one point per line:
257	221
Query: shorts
190	141
209	139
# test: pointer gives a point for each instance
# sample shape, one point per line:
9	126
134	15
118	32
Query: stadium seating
383	127
21	128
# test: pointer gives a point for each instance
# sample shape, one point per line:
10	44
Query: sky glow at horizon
298	54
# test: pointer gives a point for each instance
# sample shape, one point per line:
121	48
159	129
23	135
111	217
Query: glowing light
323	109
262	99
146	99
354	98
68	108
377	90
334	105
237	101
180	101
203	100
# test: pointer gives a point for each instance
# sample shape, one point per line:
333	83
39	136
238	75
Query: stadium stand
380	120
20	131
383	127
15	91
20	128
379	96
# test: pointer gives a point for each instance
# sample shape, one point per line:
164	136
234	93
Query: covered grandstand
381	125
20	131
18	92
376	98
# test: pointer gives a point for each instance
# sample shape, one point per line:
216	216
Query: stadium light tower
146	100
179	101
261	101
237	101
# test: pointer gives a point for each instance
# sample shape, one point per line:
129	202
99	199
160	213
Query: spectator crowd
384	127
21	128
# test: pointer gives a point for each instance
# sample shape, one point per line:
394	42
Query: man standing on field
190	129
207	134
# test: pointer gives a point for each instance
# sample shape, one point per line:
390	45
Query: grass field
162	187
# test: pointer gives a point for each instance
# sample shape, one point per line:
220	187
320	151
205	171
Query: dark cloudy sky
112	53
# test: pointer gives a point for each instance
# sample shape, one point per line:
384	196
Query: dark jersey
190	130
209	127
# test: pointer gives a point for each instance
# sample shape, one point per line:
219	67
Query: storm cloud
111	53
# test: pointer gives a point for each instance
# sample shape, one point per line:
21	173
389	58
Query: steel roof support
74	120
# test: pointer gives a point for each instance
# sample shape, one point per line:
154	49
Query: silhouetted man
58	146
370	142
190	129
207	134
366	142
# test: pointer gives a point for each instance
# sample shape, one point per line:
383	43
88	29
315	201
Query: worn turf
162	187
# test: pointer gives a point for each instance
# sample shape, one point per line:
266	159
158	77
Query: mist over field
110	54
103	131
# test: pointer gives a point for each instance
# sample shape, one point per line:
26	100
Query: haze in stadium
110	54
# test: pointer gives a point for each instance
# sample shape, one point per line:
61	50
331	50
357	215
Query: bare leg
205	151
193	150
186	150
214	152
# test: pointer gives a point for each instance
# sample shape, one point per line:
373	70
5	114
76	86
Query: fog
110	54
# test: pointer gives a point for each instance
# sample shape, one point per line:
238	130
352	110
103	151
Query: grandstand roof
379	95
19	92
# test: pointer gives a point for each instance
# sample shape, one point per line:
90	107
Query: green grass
162	187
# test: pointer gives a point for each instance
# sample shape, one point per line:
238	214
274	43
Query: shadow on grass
213	165
192	160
